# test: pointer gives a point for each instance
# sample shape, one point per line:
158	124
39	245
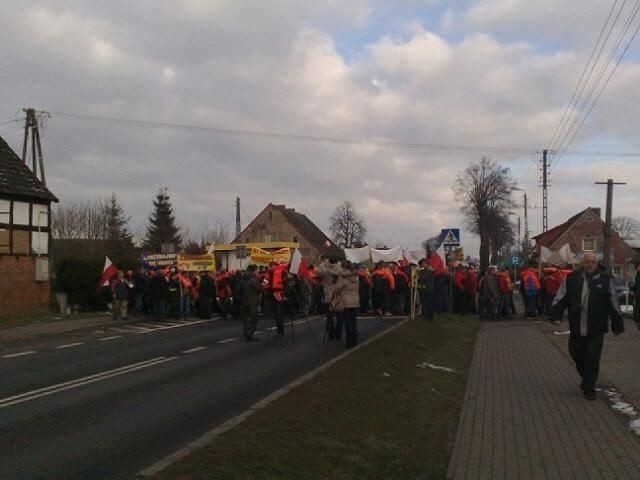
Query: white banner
560	258
391	255
357	255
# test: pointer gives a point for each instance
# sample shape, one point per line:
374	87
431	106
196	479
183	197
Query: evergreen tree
118	236
162	225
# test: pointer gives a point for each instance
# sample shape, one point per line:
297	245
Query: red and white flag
299	265
108	273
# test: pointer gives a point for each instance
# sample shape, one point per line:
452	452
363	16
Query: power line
572	105
609	77
570	132
333	140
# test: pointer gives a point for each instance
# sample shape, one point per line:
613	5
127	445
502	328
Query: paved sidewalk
524	416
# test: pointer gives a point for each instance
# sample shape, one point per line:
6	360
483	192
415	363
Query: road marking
195	349
136	329
169	327
69	345
60	387
227	340
20	354
104	339
119	330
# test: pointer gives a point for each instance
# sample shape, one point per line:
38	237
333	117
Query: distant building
584	233
277	223
25	214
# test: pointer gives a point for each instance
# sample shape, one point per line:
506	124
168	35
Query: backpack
530	288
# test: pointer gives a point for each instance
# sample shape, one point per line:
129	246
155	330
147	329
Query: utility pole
31	124
607	230
525	248
545	184
238	227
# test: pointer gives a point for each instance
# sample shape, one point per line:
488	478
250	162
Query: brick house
25	213
584	232
277	223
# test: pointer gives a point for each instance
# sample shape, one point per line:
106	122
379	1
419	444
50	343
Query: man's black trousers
586	352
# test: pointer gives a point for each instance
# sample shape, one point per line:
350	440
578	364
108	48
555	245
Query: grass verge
375	414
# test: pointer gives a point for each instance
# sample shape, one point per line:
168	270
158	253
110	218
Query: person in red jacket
401	291
550	285
277	290
441	279
470	290
459	296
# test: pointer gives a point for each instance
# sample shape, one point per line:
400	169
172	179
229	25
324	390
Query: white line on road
169	327
69	345
20	354
104	339
60	387
227	340
195	349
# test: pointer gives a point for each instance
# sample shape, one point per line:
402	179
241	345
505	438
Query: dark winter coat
251	290
602	303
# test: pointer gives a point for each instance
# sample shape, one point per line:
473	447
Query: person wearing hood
346	289
589	295
328	273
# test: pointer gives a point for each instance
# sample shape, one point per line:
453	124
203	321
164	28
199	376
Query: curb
256	407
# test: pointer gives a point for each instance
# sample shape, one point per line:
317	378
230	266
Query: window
39	215
617	271
295	239
588	244
20	213
267	238
5	208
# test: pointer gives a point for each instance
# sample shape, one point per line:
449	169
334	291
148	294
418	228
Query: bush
79	278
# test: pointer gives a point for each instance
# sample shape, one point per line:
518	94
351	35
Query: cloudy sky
484	73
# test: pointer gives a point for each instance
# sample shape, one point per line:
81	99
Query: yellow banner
197	263
262	257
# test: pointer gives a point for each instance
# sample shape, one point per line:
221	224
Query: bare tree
502	235
626	227
346	226
216	235
87	219
484	189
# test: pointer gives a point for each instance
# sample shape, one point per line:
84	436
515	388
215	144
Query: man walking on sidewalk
590	297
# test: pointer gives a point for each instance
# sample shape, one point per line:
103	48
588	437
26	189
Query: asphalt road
109	403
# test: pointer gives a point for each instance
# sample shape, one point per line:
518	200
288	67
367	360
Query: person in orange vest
277	289
505	286
401	290
383	286
530	288
364	289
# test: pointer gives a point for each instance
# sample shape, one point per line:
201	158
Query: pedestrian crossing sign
450	237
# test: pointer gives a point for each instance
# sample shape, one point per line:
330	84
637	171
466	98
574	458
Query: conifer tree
118	236
162	225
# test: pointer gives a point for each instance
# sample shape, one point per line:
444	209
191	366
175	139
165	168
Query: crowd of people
335	288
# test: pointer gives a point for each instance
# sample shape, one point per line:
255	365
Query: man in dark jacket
207	292
158	293
251	290
590	297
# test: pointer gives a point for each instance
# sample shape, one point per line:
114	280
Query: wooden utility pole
238	226
607	230
31	125
525	248
545	185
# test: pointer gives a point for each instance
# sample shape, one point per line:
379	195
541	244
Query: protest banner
197	263
263	257
158	260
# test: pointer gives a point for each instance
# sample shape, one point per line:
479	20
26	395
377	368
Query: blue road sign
515	261
450	237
